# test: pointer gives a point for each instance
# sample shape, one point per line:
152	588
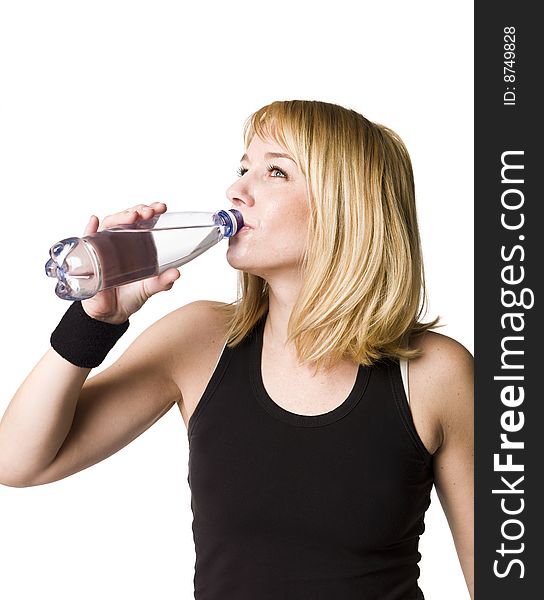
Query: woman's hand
115	305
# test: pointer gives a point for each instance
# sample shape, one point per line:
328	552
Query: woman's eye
273	168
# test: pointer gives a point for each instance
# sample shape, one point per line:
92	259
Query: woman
311	460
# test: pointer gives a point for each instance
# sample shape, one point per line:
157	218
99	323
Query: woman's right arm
59	423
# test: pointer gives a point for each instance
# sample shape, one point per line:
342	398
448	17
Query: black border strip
507	270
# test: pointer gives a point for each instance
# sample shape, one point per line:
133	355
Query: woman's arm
448	379
54	427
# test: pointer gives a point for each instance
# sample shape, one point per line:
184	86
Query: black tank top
297	507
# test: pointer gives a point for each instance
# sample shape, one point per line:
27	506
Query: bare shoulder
441	380
441	355
200	321
202	330
192	330
170	341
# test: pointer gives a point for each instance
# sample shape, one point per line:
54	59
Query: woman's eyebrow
270	155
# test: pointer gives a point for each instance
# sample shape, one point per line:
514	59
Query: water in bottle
126	253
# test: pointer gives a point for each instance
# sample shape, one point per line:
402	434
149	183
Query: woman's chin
237	262
240	264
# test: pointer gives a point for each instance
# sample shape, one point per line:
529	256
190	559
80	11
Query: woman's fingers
131	215
92	226
162	282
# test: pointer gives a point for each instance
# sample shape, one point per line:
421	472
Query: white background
107	104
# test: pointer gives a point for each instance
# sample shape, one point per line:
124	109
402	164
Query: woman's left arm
453	462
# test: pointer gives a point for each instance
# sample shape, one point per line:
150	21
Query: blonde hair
363	287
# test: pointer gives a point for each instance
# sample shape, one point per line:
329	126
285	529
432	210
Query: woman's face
271	195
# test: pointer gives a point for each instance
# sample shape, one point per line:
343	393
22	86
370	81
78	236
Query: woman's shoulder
182	335
198	324
200	333
440	352
199	321
441	379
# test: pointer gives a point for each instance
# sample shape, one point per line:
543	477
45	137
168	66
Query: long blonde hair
363	286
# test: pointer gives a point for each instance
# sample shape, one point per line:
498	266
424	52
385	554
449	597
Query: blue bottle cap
232	220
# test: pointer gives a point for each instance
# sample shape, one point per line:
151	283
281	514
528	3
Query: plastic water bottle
126	253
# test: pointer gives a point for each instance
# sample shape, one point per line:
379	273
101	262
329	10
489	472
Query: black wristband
82	340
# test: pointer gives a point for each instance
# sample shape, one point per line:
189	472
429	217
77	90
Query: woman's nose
238	192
